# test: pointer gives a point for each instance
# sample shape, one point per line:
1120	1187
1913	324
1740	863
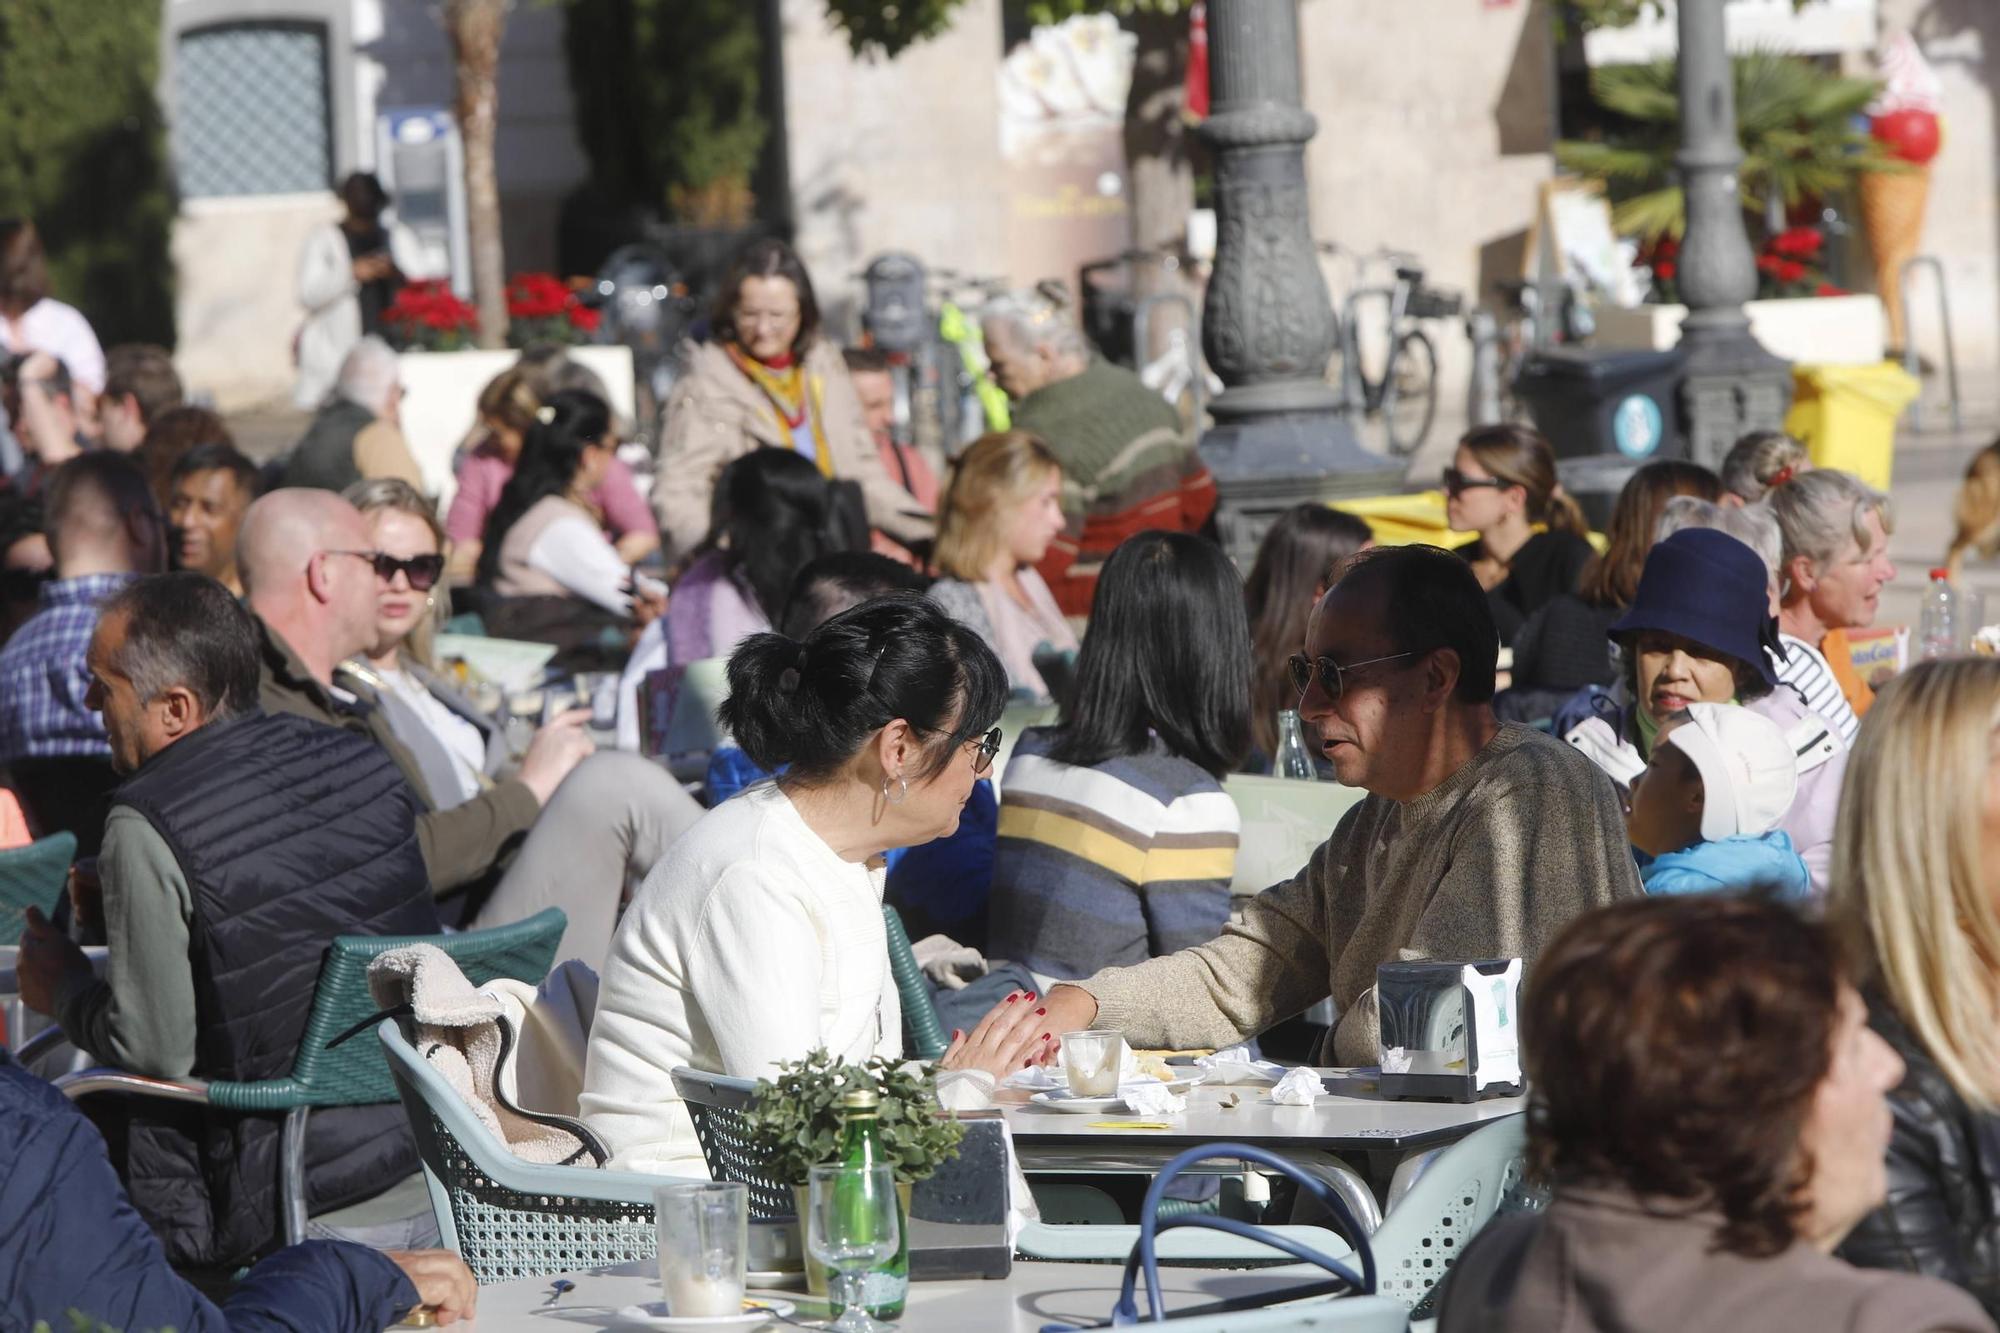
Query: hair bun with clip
1781	476
788	679
545	415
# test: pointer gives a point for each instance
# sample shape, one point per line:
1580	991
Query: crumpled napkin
1299	1087
947	962
1150	1097
1396	1060
1036	1078
1235	1065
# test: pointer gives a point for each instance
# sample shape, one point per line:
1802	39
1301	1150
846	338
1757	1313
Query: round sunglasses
1332	675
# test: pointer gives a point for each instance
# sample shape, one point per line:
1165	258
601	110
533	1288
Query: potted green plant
795	1123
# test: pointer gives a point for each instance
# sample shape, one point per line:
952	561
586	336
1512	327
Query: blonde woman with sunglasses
1916	895
459	748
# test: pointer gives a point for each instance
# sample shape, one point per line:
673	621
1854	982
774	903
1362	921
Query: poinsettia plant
543	308
1788	266
427	316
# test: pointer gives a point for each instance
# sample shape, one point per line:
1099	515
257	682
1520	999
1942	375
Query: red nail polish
1012	998
956	1034
1041	1013
1031	995
1045	1036
1026	1063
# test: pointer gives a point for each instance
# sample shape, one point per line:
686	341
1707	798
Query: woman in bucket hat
1700	631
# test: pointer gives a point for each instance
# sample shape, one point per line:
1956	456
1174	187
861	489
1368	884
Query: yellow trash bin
1846	416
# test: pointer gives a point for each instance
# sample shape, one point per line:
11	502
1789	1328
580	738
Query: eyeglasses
1332	675
1456	483
423	571
983	756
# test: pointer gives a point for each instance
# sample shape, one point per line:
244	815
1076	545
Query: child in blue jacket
1705	812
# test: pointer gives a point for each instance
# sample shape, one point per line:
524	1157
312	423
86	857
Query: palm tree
474	28
1795	121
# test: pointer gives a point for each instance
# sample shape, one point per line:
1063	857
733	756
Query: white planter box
441	400
1814	330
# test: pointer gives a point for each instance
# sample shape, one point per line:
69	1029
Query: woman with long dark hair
767	378
774	515
1117	842
1294	568
542	538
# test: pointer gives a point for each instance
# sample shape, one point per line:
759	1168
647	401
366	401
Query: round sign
1636	426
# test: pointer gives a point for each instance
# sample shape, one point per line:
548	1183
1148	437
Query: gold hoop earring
902	792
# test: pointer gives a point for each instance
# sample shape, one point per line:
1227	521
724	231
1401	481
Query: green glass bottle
884	1289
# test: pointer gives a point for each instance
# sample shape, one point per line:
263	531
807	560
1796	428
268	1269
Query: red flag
1197	62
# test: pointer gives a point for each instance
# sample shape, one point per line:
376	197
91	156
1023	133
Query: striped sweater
1108	865
1808	672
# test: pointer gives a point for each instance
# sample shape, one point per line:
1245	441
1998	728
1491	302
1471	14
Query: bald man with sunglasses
569	829
1477	839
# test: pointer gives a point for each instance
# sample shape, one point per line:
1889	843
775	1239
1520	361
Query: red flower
585	318
1668	248
1768	264
1828	289
1664	270
1790	270
1797	243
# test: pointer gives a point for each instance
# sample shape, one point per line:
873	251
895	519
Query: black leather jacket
1942	1217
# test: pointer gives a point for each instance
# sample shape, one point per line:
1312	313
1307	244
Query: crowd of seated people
224	683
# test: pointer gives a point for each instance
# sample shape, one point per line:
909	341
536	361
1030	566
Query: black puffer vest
324	458
289	832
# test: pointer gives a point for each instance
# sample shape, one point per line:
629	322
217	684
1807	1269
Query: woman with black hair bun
760	937
1117	842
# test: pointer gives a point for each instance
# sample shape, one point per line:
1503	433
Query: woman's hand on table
1014	1035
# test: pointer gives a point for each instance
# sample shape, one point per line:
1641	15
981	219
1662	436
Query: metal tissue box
1450	1030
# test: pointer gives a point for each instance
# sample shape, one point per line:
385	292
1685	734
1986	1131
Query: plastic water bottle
1294	760
1941	627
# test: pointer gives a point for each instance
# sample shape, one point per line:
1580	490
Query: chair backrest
716	1103
1283	823
1428	1229
1015	719
353	1073
923	1033
695	727
508	1218
32	876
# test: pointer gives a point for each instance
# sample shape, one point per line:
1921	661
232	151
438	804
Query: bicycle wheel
1410	403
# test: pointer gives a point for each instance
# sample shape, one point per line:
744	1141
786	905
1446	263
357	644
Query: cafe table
1354	1121
1033	1295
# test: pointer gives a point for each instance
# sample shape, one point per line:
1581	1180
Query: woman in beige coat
768	380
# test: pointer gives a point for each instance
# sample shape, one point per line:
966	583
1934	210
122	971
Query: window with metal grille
251	110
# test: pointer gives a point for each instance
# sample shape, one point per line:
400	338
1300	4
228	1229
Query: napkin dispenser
1450	1030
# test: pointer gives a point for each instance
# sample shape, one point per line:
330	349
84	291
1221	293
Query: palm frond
1609	162
1651	216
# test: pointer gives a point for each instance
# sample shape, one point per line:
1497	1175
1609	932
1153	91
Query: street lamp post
1730	383
1268	327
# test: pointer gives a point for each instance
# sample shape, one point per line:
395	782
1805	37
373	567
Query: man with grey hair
358	434
240	843
1127	463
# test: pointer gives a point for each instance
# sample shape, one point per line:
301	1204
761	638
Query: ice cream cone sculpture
1905	120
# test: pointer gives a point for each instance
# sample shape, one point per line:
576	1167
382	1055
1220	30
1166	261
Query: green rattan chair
32	876
505	1217
353	1073
923	1034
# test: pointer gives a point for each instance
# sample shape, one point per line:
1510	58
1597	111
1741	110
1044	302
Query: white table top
1033	1295
1351	1123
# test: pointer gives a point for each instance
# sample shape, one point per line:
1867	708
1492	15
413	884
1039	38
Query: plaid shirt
43	677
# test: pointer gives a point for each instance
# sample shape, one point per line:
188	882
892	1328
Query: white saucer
756	1313
1062	1099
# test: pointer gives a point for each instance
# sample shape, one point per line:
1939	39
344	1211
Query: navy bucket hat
1710	588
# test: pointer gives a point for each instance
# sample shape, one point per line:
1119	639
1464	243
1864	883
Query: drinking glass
854	1226
704	1232
1094	1061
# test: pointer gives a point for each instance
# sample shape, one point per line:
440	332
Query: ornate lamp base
1265	463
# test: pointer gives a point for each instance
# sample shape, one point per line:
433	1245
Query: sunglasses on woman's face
982	757
1457	483
422	571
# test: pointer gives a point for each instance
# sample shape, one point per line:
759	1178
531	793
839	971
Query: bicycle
1404	394
1120	323
945	394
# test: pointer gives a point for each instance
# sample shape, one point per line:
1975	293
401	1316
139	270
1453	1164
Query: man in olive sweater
1127	463
1478	839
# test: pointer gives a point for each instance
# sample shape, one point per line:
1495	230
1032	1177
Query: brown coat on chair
1978	510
